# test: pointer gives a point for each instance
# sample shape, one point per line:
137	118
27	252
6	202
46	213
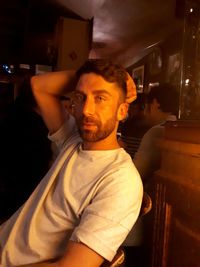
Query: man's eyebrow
101	91
95	92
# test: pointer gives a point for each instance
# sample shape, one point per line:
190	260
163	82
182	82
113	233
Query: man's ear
122	111
156	103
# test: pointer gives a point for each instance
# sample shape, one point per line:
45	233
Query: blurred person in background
161	106
134	127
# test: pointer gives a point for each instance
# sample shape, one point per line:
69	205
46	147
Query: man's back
147	158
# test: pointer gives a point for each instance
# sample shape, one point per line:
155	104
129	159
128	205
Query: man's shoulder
123	158
121	177
155	131
124	167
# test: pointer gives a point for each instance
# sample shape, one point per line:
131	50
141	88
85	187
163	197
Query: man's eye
79	98
100	98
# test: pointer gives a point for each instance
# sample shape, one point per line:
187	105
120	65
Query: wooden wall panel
176	239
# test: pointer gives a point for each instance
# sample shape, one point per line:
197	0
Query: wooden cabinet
73	40
176	235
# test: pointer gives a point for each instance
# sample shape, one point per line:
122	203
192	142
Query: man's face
153	113
96	107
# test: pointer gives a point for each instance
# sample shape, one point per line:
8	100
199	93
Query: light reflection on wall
190	84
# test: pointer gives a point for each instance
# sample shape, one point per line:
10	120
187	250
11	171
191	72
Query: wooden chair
146	204
118	260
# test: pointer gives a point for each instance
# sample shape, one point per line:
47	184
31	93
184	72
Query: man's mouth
88	123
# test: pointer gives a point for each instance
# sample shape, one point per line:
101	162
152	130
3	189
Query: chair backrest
146	204
118	260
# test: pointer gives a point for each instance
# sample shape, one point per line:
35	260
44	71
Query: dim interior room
157	42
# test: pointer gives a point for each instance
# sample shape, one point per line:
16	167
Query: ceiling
125	30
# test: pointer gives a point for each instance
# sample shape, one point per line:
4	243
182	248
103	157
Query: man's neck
105	144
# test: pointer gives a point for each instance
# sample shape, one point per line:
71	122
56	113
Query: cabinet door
184	245
176	239
73	39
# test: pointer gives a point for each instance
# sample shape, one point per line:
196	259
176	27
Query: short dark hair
167	96
111	72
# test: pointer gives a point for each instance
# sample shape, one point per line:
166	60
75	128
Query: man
162	106
85	206
133	129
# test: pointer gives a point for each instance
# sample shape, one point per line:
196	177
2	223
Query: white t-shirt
147	158
93	197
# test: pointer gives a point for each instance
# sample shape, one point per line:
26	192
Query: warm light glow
153	84
187	81
191	10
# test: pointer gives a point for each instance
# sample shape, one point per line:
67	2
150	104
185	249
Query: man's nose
88	106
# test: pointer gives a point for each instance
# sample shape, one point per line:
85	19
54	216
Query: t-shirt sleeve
64	133
106	222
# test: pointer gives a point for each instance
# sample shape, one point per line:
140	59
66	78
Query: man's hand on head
131	89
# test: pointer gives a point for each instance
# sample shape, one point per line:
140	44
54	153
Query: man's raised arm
47	88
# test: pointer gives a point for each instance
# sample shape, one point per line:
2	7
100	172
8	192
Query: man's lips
88	121
88	125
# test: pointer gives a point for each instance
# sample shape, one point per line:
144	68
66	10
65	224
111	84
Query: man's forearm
43	264
46	89
54	83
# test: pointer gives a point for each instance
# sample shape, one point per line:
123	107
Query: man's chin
88	135
89	138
